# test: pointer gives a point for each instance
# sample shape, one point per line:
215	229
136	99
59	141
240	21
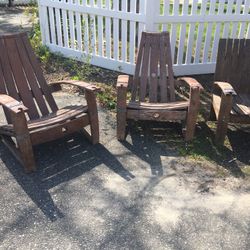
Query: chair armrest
12	104
79	84
191	82
122	81
226	88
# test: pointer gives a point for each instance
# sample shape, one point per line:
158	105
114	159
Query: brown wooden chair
153	88
30	109
231	94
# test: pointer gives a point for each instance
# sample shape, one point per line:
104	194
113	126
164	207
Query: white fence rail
107	32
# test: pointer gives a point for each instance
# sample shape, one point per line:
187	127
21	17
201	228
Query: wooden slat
39	75
154	62
11	88
163	71
136	80
156	115
4	91
163	106
241	104
20	80
170	70
219	72
31	80
62	115
57	131
144	70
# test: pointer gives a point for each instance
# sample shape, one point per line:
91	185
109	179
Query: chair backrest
21	76
154	77
233	64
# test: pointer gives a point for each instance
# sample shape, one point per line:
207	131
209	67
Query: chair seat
158	106
56	118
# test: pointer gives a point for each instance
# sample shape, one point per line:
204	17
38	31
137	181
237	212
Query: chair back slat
233	64
31	77
39	74
154	78
21	76
3	91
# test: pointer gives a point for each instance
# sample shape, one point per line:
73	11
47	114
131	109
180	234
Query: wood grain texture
231	94
24	89
153	88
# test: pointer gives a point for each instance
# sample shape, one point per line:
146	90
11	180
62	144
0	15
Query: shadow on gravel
58	162
7	17
151	140
148	142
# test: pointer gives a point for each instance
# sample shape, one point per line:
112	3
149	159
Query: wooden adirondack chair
153	89
231	95
31	111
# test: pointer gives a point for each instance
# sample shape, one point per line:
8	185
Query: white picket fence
107	32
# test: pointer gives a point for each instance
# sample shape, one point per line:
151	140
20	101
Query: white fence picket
109	31
116	39
100	30
124	32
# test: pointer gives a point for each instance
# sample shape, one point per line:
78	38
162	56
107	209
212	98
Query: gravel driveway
133	195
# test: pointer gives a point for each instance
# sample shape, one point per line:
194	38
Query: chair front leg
93	116
223	118
121	113
23	140
192	114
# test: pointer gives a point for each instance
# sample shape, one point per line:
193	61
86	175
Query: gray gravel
135	195
14	19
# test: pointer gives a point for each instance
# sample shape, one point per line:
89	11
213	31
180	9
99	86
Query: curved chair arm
225	87
122	87
122	81
191	82
12	104
79	84
194	105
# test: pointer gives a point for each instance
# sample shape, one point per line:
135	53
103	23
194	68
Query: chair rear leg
93	116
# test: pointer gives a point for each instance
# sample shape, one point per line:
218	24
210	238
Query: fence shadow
59	162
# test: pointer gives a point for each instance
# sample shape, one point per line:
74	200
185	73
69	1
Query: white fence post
150	11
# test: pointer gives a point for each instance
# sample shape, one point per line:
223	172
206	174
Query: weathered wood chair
231	94
153	89
30	109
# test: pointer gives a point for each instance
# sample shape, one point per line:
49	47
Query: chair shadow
58	162
148	142
151	140
230	158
